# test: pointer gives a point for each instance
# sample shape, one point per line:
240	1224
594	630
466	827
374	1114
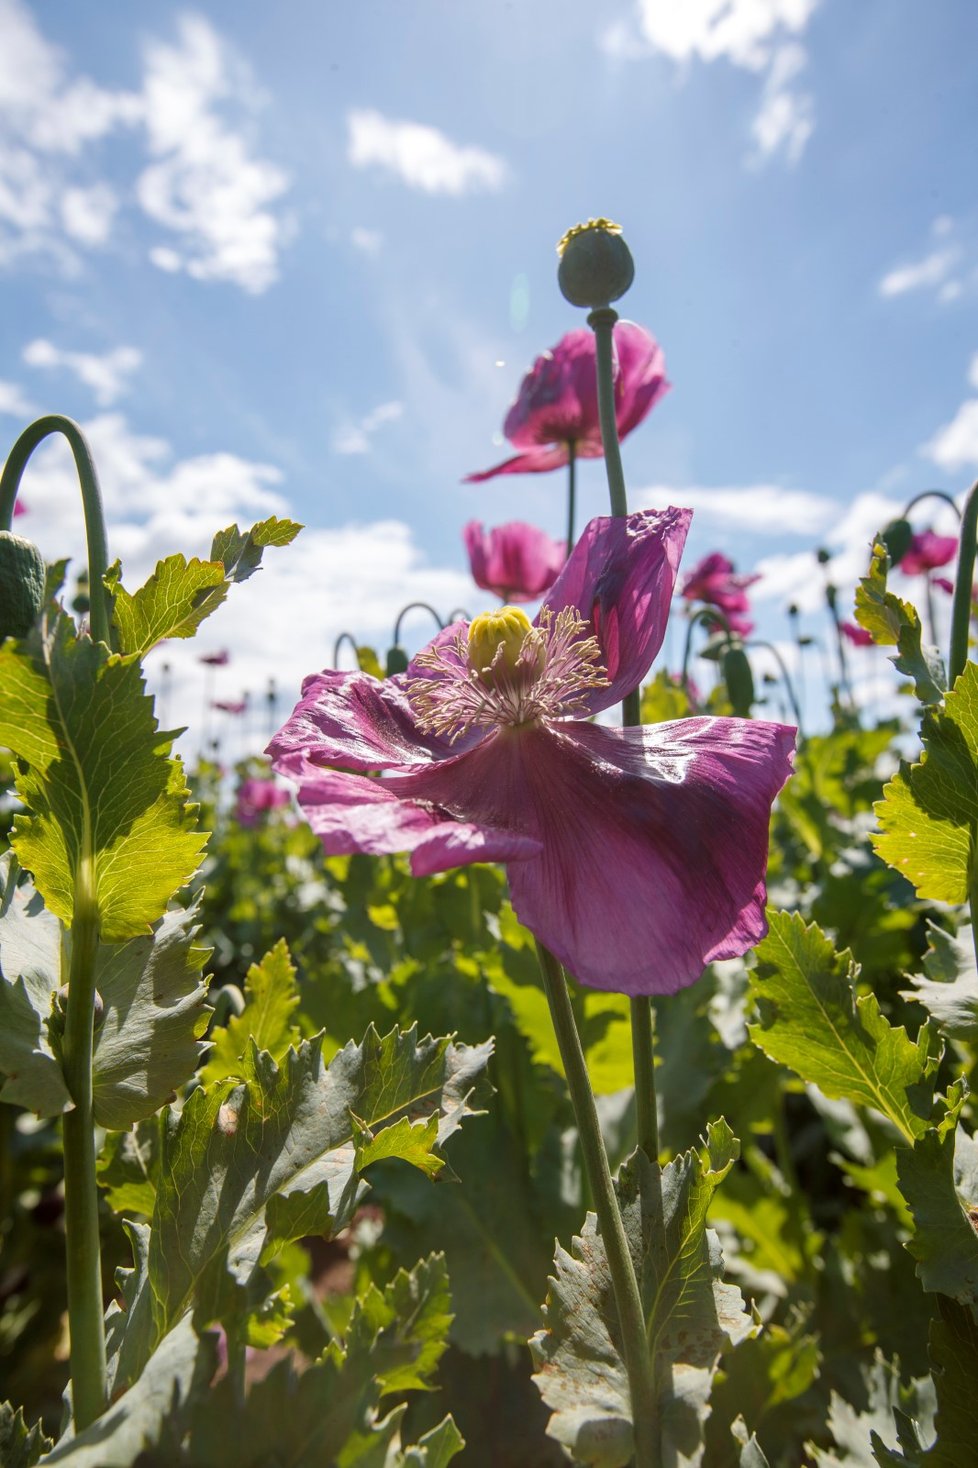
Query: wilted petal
620	576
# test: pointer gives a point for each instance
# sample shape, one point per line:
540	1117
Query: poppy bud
897	537
596	266
739	680
22	582
397	661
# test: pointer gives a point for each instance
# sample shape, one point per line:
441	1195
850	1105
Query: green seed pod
596	266
897	537
739	680
397	661
22	581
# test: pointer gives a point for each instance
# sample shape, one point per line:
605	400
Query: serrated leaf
949	992
177	1372
854	1429
412	1141
812	1021
928	813
30	973
249	1165
405	1326
95	776
751	1455
175	600
436	1449
943	1199
21	1446
691	1315
271	997
892	622
128	1166
240	552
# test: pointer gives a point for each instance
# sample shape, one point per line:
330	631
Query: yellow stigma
492	631
608	225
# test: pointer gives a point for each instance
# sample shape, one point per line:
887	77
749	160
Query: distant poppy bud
22	581
596	266
397	660
896	536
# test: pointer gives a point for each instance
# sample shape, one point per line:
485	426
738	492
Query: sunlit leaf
895	623
30	974
949	992
852	1428
271	997
175	600
939	1179
240	552
128	1167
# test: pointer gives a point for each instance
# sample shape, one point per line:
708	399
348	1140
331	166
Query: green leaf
895	623
241	552
30	974
691	1315
95	776
811	1020
751	1455
939	1179
247	1166
854	1430
412	1141
436	1449
271	997
177	1372
405	1326
128	1167
949	992
928	813
20	1446
178	596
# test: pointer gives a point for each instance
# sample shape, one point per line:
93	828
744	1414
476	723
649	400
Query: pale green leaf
30	973
21	1446
751	1455
436	1449
412	1141
929	812
940	1183
271	997
178	596
949	991
240	552
811	1020
895	623
854	1428
96	779
128	1166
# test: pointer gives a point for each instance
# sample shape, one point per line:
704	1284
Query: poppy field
543	1052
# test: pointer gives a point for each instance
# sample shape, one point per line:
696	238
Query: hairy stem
631	1317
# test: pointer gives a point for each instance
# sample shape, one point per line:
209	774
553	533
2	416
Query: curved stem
631	1316
412	606
930	494
100	615
571	492
707	615
82	1247
337	645
458	614
602	323
784	678
963	582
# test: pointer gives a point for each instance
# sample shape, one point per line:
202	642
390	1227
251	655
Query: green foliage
895	623
271	998
929	812
948	988
812	1021
108	810
20	1446
941	1189
240	552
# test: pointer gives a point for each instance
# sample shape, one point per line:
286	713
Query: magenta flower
944	583
215	659
255	798
635	855
516	561
927	552
557	404
19	508
858	636
230	705
713	581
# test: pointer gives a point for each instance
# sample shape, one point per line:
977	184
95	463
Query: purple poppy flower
635	855
927	552
858	636
557	404
713	581
516	561
215	659
255	798
944	583
19	508
230	705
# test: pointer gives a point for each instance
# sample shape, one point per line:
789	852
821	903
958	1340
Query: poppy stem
621	1266
571	492
602	323
963	583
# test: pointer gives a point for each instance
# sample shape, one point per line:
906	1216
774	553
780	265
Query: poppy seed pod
22	582
596	266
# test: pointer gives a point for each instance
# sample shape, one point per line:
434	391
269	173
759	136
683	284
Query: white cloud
421	156
354	438
367	241
948	267
13	402
796	576
88	213
107	375
765	509
955	446
757	35
932	270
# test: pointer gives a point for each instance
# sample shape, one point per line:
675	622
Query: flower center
507	672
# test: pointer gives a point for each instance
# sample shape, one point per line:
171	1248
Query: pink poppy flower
215	659
635	855
256	797
944	583
516	561
19	508
857	635
713	581
927	552
230	705
557	404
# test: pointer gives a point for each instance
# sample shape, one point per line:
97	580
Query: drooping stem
338	644
929	494
98	555
84	1263
786	680
963	583
571	492
414	606
631	1317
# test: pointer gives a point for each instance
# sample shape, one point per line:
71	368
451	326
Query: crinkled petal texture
652	841
518	562
620	576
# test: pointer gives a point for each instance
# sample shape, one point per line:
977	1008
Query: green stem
82	1248
796	708
98	554
643	1056
930	494
571	492
931	609
631	1317
602	323
961	612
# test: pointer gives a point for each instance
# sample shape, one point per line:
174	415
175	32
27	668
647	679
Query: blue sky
296	259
